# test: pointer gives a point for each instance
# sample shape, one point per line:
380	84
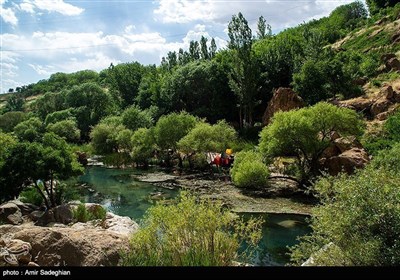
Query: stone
382	116
359	104
20	249
393	64
36	215
25	208
60	214
396	37
387	92
83	246
380	106
283	99
347	161
10	214
119	224
346	143
331	151
33	264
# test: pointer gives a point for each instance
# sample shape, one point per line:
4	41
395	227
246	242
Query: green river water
122	194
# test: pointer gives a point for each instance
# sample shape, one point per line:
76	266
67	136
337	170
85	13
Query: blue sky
41	37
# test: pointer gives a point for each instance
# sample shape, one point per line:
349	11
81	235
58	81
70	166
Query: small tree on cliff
32	164
306	133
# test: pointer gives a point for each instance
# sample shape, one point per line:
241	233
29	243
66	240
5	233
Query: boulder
25	208
359	104
60	214
283	99
346	143
393	64
20	249
119	224
10	214
83	246
347	161
387	92
36	215
380	106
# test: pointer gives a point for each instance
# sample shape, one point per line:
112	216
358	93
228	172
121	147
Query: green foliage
28	163
49	103
392	126
10	120
30	130
31	195
7	142
134	118
200	88
66	129
388	159
81	214
205	138
124	80
58	116
15	102
95	212
143	145
171	128
190	233
249	170
375	6
360	215
305	133
91	103
104	138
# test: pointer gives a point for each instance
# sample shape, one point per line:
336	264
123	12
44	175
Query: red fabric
217	160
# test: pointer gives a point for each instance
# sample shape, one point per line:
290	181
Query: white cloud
7	14
58	6
181	11
42	70
279	14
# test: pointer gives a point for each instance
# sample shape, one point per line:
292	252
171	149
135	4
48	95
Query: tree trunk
42	194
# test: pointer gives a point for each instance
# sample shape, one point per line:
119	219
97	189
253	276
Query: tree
48	103
244	75
32	164
66	129
359	217
208	138
133	118
15	102
194	50
91	103
143	146
204	49
375	6
104	138
306	133
263	29
124	80
67	114
213	48
201	88
191	233
171	128
10	120
30	130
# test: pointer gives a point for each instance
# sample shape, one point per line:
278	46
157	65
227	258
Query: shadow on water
123	194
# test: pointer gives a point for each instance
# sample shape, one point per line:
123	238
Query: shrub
360	215
31	195
249	171
190	234
97	212
81	214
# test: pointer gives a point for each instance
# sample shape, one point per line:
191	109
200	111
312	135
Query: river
122	193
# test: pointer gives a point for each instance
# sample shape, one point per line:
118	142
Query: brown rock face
284	99
347	143
85	246
10	214
347	161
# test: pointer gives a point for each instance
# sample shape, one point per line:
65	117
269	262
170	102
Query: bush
360	215
249	171
81	214
31	195
388	159
190	234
